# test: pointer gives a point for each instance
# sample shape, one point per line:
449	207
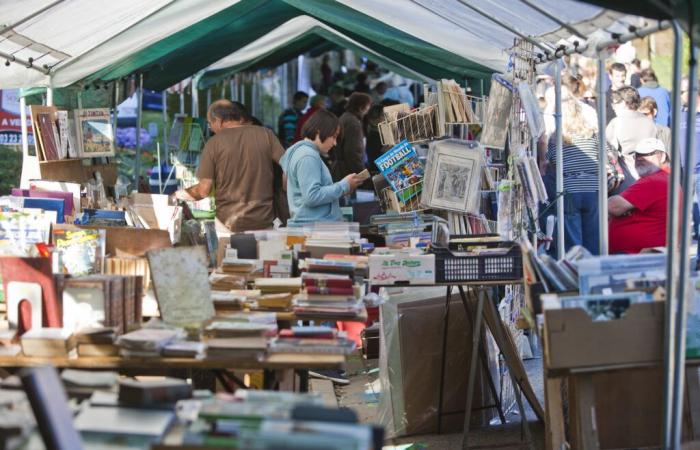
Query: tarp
294	37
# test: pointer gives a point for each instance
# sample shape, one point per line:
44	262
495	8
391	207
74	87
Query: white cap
650	145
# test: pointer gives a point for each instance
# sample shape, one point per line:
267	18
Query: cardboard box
402	268
573	340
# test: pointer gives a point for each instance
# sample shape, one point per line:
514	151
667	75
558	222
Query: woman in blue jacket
311	193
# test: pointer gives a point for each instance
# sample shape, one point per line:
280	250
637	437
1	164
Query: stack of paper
315	339
328	295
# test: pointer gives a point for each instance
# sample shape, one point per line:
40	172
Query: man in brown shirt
238	162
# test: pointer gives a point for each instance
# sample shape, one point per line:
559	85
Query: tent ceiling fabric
66	30
101	40
176	16
683	10
296	36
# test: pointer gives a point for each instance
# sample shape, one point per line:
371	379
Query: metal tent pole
182	100
195	98
208	98
49	96
223	89
233	88
139	119
116	109
685	290
672	227
24	181
166	150
559	162
602	162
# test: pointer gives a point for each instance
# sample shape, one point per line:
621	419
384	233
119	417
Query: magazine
403	170
94	132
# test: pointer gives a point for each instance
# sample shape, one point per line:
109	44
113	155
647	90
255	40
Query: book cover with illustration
94	131
403	170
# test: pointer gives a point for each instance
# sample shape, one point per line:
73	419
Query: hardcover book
403	170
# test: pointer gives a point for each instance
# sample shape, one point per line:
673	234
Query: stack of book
331	296
240	336
147	342
185	349
226	282
315	339
47	342
246	268
278	285
338	238
97	342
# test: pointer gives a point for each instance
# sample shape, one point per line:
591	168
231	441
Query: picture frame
94	132
453	176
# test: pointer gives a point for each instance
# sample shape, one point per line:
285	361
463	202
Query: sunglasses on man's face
642	156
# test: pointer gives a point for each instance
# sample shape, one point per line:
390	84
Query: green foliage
10	167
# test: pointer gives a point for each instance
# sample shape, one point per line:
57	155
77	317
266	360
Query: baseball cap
650	145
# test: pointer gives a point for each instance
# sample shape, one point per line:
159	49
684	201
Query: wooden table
275	367
275	361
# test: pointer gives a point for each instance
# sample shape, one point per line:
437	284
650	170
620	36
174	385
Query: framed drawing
453	176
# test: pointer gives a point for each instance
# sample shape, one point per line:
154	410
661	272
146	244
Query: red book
320	290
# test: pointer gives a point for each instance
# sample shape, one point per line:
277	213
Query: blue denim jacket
311	193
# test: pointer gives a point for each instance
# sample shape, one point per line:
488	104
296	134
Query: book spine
321	283
321	290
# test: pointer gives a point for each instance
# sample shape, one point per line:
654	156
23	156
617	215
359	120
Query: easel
485	312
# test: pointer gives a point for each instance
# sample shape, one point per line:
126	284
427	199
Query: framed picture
94	132
497	116
453	176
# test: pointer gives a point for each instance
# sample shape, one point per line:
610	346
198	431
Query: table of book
485	312
271	364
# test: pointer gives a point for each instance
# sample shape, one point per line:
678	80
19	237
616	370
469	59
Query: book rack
392	202
415	126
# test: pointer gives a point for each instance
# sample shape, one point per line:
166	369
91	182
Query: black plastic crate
450	268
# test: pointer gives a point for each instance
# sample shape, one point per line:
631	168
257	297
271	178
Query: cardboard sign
401	268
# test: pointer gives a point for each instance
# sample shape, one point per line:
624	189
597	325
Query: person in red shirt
638	215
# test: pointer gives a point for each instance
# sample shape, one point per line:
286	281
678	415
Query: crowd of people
324	142
638	117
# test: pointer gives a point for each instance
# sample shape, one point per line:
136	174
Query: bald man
238	161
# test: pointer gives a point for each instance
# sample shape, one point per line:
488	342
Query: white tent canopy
77	38
65	31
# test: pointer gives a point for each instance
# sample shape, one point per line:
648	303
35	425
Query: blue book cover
403	170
